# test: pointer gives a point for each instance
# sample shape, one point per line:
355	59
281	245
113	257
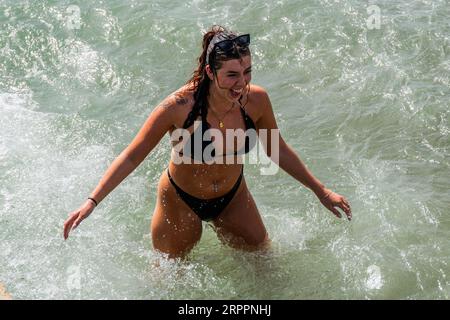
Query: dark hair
200	80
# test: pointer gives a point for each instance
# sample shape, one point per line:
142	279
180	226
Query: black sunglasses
227	45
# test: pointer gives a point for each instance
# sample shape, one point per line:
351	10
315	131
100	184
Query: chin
233	99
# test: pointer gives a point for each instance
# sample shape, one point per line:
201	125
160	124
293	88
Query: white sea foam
374	277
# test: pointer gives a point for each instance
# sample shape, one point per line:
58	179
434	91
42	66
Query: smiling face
230	80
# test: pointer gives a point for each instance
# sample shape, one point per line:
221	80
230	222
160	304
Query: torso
210	180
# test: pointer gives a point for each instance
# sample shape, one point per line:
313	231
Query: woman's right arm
154	128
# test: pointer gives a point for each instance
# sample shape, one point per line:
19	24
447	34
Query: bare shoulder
177	105
259	101
183	96
177	100
259	96
257	90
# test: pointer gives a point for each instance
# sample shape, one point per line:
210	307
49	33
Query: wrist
93	201
323	193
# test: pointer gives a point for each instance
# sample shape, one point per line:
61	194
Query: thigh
175	228
240	225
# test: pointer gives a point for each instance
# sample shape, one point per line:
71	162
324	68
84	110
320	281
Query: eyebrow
233	72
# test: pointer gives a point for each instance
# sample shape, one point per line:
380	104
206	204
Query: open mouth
235	93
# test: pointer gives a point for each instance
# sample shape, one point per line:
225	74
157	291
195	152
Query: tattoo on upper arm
180	99
166	103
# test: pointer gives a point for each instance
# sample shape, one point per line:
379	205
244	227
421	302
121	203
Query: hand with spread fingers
75	217
332	200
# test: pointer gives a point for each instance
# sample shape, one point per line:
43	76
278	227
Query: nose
241	81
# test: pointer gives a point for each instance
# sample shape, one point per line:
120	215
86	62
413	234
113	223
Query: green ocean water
366	108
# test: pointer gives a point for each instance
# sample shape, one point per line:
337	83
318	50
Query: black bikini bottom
207	209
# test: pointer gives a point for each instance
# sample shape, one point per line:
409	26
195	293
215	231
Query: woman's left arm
290	162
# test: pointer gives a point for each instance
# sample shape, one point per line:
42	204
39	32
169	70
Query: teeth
237	91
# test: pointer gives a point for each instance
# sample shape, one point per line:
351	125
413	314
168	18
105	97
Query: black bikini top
250	140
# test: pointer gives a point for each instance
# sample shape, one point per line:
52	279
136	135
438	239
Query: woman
220	94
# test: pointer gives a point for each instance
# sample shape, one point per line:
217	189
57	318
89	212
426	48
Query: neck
216	101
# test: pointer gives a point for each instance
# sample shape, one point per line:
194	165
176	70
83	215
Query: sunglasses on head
227	45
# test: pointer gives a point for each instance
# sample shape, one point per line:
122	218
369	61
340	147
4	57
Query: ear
209	72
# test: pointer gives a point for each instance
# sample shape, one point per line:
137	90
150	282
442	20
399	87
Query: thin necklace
221	125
